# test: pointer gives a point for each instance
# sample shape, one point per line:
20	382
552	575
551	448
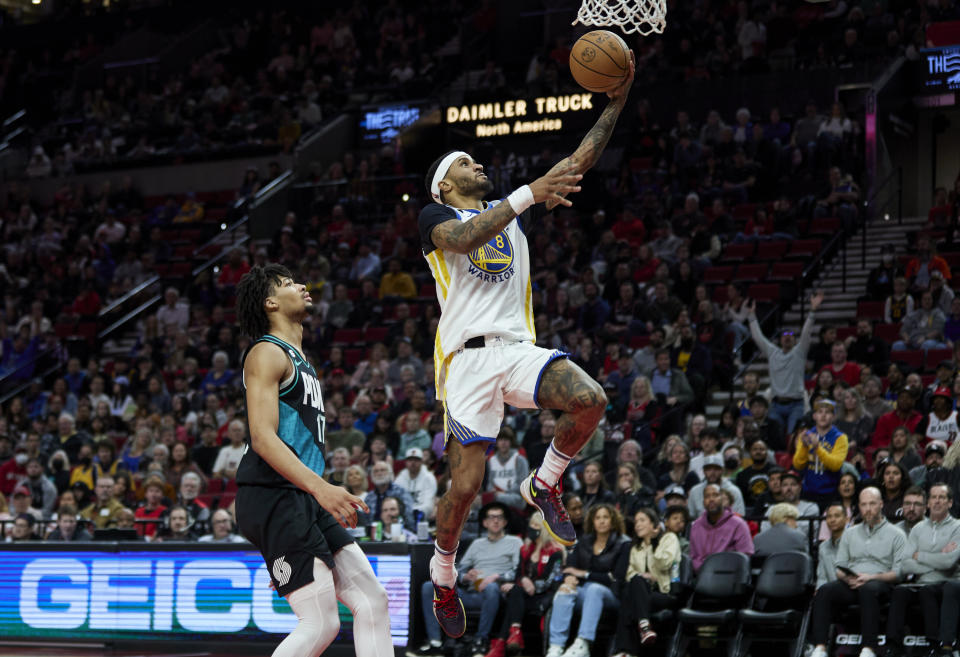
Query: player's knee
466	485
324	634
591	400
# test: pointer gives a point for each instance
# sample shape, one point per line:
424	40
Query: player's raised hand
620	93
553	187
341	504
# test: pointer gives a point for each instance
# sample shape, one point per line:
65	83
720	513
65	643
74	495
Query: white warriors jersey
945	430
484	292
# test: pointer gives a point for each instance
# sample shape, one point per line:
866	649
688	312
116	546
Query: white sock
553	466
442	571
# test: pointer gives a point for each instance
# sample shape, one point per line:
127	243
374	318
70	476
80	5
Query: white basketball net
643	16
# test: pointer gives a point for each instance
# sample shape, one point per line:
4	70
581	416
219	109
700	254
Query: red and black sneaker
448	609
515	640
556	520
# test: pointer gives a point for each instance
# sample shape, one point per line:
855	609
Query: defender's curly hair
252	290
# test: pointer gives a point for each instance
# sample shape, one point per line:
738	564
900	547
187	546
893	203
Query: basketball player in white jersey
941	422
484	353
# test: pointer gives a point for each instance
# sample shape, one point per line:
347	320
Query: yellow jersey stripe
528	309
444	272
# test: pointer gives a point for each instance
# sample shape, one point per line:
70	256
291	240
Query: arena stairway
839	306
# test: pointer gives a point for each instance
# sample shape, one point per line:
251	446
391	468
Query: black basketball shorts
290	529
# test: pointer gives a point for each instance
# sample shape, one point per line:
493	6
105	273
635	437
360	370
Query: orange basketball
599	60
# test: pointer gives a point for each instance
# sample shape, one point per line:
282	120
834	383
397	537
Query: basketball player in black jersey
284	507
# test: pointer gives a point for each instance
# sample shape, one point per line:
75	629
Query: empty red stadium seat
376	333
826	226
226	500
641	163
751	272
786	271
935	356
764	292
804	248
215	485
870	310
771	251
352	357
428	290
889	333
718	274
912	358
744	210
844	332
720	294
738	252
348	336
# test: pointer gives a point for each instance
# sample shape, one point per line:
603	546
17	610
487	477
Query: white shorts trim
480	381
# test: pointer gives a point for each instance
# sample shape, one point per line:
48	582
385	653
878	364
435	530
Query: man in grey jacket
933	548
713	474
923	328
836	520
787	364
869	559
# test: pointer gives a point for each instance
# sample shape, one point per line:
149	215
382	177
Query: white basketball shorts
479	382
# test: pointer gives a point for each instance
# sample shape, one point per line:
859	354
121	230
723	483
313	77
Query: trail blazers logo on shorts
281	571
495	257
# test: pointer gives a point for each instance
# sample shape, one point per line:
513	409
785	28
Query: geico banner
170	595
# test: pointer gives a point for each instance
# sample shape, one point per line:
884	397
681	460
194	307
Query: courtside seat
680	590
780	611
722	584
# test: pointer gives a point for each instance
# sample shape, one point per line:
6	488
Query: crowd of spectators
272	76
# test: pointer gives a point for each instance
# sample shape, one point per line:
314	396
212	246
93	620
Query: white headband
441	172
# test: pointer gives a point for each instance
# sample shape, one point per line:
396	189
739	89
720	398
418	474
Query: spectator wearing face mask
13	470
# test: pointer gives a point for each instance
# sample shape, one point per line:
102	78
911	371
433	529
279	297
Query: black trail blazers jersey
301	427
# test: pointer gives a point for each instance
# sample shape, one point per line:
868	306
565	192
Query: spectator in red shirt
840	367
903	415
926	261
152	507
630	228
234	270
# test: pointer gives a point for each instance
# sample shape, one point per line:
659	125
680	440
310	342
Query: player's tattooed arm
466	236
589	150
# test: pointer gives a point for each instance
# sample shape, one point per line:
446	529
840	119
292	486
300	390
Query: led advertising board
941	69
179	594
521	116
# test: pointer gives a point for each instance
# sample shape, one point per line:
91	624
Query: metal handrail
869	208
232	227
130	315
129	295
220	256
809	270
13	392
